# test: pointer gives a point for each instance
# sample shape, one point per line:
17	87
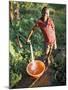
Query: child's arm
53	26
30	34
55	45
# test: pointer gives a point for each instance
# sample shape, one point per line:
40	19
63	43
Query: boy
47	27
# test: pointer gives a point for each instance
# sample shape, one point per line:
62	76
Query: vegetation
22	17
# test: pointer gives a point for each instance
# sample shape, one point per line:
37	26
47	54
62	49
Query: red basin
36	69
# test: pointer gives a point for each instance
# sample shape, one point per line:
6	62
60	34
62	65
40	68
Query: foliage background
25	14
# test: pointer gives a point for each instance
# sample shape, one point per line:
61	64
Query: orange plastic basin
35	69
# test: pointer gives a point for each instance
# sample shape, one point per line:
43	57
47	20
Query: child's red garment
48	30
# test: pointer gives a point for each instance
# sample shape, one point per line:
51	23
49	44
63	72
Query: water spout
32	56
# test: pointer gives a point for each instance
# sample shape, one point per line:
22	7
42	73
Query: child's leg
47	49
50	54
47	53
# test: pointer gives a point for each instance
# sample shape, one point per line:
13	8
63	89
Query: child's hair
44	10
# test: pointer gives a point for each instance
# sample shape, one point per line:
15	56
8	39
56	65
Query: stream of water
32	57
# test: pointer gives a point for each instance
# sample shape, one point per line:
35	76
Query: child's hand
28	41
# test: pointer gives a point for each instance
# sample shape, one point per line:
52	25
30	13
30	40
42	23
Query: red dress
48	30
